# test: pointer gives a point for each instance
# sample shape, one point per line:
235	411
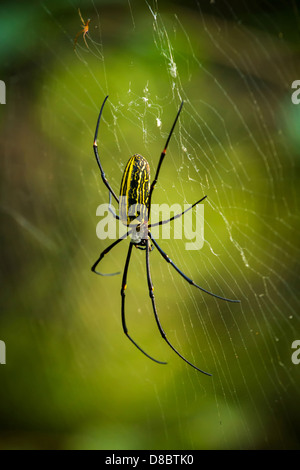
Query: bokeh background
71	379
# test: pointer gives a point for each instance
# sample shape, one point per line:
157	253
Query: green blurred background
72	380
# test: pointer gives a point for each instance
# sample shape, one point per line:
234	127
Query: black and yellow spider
134	206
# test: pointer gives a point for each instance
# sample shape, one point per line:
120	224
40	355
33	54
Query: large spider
135	205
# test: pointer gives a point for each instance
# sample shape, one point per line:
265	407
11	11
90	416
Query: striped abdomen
134	191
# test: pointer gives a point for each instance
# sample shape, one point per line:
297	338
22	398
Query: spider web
236	142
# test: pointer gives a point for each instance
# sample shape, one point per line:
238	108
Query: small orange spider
84	31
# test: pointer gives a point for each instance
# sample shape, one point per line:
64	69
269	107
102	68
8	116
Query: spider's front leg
162	156
95	147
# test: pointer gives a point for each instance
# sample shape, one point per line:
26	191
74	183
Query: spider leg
163	334
190	281
76	38
124	285
95	146
104	252
82	20
162	222
162	156
83	35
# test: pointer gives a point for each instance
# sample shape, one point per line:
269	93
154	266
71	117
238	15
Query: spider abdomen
134	191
